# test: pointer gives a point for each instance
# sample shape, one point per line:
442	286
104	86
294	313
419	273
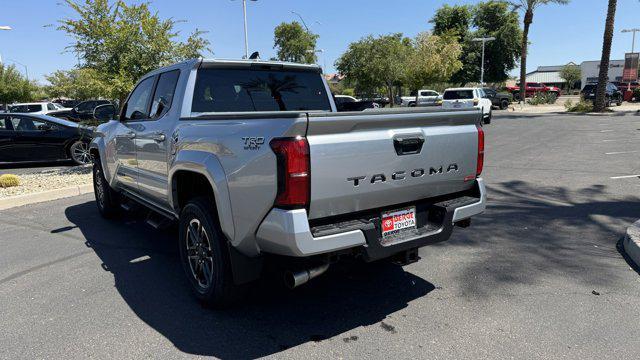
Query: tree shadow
532	234
149	277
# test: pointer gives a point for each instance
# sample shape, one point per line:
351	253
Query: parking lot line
622	152
625	177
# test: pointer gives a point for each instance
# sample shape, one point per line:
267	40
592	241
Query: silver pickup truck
253	161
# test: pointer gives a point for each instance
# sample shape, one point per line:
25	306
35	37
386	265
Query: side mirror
104	113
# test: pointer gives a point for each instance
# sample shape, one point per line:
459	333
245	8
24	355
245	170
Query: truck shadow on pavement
532	235
149	277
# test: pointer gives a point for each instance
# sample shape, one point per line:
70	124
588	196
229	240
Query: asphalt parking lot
539	275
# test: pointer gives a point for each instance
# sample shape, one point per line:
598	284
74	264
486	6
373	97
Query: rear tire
504	104
412	104
487	120
205	256
106	197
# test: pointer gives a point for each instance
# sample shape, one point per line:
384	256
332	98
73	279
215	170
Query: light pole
484	40
4	27
301	19
26	69
246	36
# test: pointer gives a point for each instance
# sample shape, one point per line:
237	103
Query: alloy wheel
199	253
80	153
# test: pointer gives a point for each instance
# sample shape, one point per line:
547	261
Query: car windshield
589	87
458	94
247	90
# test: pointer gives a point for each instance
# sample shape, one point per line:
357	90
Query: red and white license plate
393	222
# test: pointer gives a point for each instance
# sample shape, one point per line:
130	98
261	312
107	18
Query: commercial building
550	75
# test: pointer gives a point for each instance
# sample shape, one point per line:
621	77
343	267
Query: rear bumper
289	233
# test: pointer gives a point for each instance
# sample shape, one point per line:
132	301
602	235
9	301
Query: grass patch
9	180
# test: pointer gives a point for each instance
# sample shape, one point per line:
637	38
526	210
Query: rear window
245	90
589	88
458	94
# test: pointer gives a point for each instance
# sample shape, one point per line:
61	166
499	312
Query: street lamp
4	27
301	19
484	40
246	37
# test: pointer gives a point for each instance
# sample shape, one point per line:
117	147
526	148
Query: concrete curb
26	199
631	243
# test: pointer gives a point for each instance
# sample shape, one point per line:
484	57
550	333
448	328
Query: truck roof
191	63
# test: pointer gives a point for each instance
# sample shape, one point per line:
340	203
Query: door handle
131	135
159	137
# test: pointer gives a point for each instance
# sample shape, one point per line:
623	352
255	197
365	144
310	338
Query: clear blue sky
559	34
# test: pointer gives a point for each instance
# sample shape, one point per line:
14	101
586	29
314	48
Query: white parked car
464	98
35	108
425	98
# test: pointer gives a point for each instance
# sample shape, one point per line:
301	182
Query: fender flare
207	165
98	144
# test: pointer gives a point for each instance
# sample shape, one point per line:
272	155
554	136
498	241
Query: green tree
79	84
294	43
528	7
122	42
571	74
487	19
452	20
599	104
15	87
432	59
373	63
495	19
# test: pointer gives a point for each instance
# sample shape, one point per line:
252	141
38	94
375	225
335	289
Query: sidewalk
631	243
558	107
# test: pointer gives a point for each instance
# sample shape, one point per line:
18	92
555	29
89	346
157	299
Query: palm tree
599	104
528	6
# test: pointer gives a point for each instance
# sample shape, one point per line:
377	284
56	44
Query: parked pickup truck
253	161
421	98
532	88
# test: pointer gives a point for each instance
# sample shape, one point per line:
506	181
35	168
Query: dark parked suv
81	112
612	94
499	100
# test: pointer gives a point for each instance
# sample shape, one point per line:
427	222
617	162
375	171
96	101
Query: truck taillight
480	151
294	173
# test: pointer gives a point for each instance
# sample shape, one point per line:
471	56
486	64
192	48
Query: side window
137	107
50	106
163	96
5	124
23	123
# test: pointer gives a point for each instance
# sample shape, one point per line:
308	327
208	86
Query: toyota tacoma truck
253	162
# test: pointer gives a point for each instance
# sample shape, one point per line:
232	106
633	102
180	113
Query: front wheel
205	256
106	197
79	152
504	104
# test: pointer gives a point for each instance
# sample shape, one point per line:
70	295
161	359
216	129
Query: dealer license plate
397	221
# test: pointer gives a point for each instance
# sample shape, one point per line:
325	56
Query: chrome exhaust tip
293	279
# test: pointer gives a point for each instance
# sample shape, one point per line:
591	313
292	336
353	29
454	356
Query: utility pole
484	40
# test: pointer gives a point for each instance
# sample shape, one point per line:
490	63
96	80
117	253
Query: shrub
636	94
583	106
543	98
9	180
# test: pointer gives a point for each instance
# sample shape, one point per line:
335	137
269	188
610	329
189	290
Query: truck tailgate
377	159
